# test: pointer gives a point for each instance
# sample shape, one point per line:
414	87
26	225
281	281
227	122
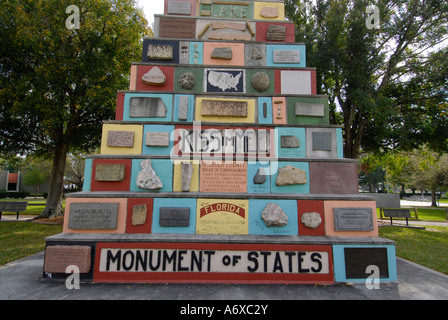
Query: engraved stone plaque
160	52
174	217
224	108
179	28
58	258
147	107
109	172
93	216
179	7
310	110
139	214
123	139
353	219
157	139
286	56
183	108
358	259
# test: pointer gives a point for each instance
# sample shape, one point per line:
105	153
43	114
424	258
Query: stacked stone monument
221	165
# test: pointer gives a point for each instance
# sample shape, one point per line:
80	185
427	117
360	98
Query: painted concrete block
330	223
177	176
174	203
197	53
158	146
264	110
286	56
88	166
309	207
121	221
312	119
279	110
237	50
269	11
260	169
226	119
160	51
163	169
262	30
291	152
298	188
147	204
222	216
258	226
183	108
351	261
147	107
333	178
168	72
137	141
122	185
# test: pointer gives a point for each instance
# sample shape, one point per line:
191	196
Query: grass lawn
21	239
426	247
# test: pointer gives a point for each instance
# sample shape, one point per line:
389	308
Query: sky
151	7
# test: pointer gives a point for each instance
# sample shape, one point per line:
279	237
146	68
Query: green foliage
57	84
389	84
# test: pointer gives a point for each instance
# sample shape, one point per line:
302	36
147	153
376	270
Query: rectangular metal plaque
353	219
286	56
87	215
174	217
358	259
109	172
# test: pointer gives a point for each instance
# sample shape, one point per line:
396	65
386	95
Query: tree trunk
55	194
433	198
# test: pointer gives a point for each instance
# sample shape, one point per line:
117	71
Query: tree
58	84
74	170
368	72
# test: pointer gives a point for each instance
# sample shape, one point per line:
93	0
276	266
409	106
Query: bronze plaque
179	28
358	259
223	177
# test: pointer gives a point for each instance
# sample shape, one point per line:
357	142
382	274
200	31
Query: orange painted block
329	207
237	54
94	216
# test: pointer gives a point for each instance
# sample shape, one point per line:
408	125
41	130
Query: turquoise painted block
163	169
88	167
340	143
258	226
339	263
252	169
265	110
190	112
298	188
299	133
158	150
174	203
166	98
270	55
197	53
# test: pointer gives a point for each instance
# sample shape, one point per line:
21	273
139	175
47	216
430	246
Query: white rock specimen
311	220
274	216
147	177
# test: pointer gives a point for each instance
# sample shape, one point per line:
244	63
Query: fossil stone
274	216
276	33
290	175
147	177
311	220
260	81
187	80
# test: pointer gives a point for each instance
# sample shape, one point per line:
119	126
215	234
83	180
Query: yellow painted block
222	216
258	7
250	118
111	139
177	179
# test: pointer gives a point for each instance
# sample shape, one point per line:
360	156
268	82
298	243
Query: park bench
397	213
13	207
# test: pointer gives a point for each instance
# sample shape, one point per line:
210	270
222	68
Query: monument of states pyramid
221	165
